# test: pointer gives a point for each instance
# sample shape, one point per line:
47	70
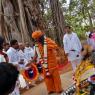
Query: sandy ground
40	89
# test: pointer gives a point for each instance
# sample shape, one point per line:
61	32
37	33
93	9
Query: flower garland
43	60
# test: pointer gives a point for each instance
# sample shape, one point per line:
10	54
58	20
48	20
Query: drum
39	67
30	73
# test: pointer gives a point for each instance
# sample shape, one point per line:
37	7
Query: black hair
13	42
41	40
68	27
8	78
1	42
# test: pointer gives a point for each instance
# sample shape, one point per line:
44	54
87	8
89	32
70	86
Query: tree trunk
23	21
36	15
58	20
90	19
1	18
10	20
20	19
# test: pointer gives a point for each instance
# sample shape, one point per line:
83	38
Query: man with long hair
46	52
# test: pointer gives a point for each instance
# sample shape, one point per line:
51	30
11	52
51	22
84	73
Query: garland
43	60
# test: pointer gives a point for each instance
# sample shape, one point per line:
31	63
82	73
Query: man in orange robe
53	82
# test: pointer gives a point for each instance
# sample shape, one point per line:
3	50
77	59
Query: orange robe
53	82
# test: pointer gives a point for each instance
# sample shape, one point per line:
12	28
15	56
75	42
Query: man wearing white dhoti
72	47
14	59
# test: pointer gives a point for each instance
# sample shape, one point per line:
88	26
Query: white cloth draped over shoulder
72	46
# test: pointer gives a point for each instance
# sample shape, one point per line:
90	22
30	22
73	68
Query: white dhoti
75	64
72	47
75	59
22	81
16	90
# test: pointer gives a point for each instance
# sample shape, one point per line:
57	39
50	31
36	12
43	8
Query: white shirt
14	59
29	52
72	42
22	55
13	55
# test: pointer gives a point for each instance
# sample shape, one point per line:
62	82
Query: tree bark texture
58	20
19	18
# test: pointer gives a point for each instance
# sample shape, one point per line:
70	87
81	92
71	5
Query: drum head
31	73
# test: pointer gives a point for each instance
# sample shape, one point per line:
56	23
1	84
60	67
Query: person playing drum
46	52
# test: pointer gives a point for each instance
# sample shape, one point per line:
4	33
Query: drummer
24	60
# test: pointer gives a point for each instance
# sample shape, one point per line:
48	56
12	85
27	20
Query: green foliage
80	15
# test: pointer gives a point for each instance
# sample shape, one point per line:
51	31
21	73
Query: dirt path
41	88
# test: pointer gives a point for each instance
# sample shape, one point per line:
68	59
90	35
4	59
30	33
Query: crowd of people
43	54
18	54
21	55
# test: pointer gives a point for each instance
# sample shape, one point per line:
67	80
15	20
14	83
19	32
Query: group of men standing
18	54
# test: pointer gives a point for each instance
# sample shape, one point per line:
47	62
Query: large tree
19	18
58	20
